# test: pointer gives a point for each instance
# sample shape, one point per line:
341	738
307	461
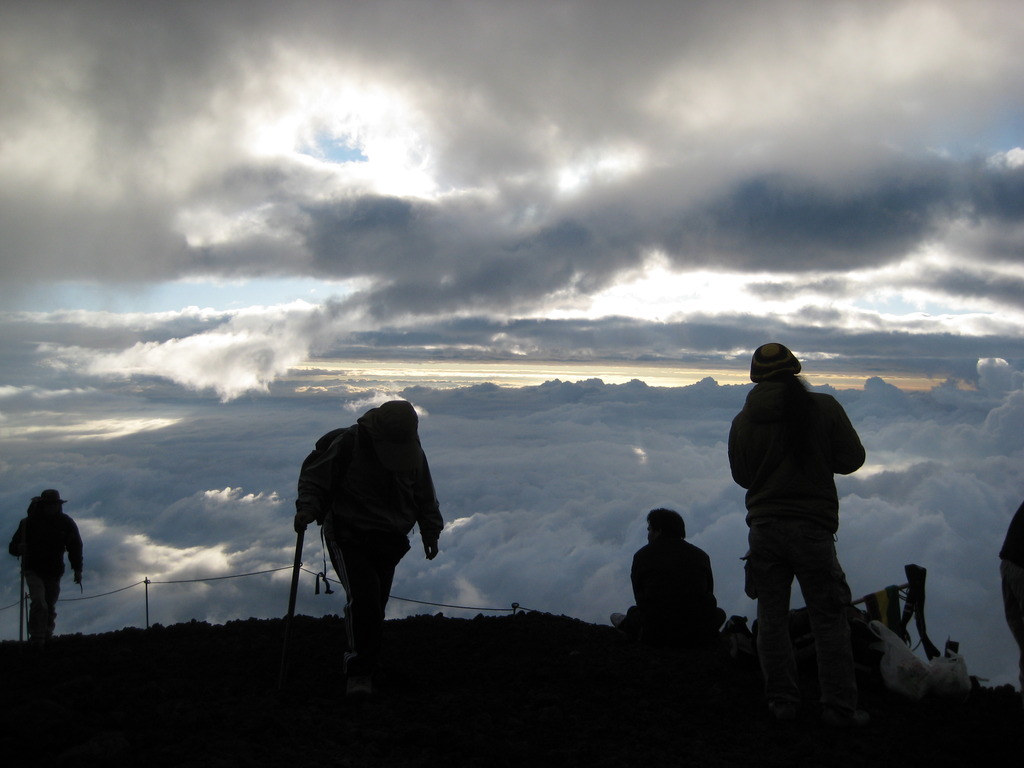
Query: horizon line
453	374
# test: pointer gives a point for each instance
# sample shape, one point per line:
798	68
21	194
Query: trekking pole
21	608
291	606
22	618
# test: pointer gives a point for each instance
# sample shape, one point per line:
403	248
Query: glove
78	577
430	546
303	517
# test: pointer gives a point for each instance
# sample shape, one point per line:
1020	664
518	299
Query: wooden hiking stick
291	606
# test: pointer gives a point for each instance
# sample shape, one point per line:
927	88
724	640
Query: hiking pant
781	548
365	563
1013	604
43	592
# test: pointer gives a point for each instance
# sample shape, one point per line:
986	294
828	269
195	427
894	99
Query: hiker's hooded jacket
778	482
1013	544
349	481
43	537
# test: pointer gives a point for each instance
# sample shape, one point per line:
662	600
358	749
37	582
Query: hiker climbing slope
368	485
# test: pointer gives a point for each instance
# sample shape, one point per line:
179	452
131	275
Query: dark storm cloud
830	286
1001	289
789	224
129	128
373	234
996	192
432	257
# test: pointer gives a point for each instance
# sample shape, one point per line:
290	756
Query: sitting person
673	587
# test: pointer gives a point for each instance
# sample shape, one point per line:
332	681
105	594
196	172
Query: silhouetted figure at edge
368	485
1011	570
785	447
673	587
42	538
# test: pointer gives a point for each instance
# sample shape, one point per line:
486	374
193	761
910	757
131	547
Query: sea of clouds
543	489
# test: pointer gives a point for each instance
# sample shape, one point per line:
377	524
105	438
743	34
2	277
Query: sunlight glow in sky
372	375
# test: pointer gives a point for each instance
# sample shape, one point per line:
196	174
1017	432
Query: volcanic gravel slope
526	690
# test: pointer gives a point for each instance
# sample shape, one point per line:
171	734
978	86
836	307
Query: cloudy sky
223	232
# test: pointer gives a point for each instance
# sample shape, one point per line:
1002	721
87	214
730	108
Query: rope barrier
219	578
146	581
93	597
515	606
319	575
513	609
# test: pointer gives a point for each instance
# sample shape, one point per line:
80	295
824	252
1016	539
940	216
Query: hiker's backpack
882	606
342	462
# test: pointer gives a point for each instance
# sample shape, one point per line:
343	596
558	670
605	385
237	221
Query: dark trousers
779	551
365	563
1013	603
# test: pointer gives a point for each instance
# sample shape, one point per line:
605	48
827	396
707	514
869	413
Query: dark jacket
348	481
43	537
674	589
1013	544
778	482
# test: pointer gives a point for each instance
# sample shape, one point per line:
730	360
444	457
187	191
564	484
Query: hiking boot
359	686
856	719
782	710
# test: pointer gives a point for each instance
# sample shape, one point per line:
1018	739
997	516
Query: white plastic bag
948	677
902	671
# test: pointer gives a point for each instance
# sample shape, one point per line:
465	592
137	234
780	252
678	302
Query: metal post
147	583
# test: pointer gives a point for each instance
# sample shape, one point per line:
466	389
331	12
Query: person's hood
764	403
393	429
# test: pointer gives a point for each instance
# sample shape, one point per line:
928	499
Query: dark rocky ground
525	690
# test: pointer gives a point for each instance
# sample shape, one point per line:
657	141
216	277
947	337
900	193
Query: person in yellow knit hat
785	447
